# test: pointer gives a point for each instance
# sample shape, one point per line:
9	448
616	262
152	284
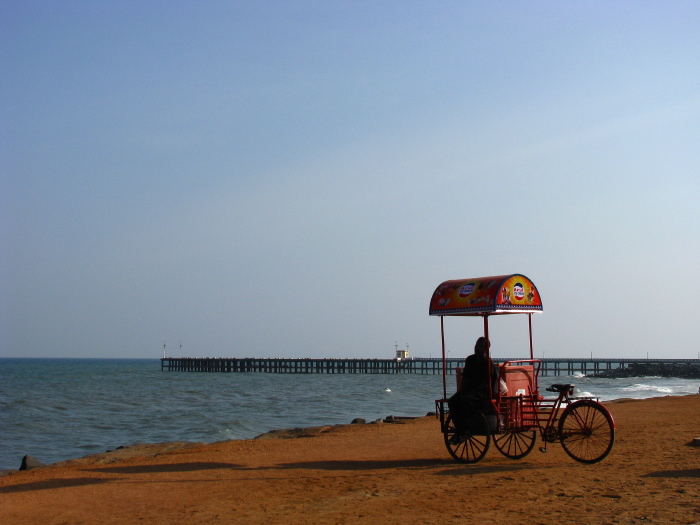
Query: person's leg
456	405
470	413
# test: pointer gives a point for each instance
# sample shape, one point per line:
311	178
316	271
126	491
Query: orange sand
388	473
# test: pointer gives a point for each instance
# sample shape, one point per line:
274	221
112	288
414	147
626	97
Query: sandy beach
390	473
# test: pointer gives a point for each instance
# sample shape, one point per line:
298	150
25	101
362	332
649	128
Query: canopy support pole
529	323
488	357
486	329
444	360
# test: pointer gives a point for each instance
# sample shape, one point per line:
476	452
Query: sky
294	179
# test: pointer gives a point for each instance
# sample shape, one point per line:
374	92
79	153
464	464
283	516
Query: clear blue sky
294	179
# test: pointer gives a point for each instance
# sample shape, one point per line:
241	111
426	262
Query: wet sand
388	473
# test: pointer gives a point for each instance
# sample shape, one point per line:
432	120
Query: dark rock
397	419
28	463
358	421
652	369
289	433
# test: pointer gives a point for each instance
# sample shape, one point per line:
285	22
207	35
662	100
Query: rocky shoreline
679	370
154	449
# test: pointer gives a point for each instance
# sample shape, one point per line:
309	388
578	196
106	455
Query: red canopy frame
483	297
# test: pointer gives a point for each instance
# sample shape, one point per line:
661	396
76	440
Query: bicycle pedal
543	450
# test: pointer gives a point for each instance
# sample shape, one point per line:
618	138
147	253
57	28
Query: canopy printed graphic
501	294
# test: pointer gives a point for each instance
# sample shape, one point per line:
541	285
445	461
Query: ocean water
58	409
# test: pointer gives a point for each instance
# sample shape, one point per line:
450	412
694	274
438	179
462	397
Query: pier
550	366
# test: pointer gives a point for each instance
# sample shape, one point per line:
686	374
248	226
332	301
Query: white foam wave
648	388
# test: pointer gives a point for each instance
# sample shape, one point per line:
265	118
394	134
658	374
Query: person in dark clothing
475	389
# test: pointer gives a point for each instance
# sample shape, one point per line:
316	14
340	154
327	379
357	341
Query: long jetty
549	366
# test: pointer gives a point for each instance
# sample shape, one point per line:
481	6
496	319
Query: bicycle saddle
560	388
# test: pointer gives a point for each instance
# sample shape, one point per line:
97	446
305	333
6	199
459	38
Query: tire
587	431
515	445
472	449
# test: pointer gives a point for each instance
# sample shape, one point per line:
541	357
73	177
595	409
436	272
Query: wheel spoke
515	445
586	431
472	449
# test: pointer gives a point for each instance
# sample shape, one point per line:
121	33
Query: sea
58	409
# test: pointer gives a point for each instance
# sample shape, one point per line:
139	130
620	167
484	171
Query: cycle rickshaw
516	412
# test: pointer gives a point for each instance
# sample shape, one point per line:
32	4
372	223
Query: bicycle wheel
473	448
515	445
587	431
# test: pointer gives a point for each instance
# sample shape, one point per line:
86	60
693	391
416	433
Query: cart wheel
473	448
587	431
515	445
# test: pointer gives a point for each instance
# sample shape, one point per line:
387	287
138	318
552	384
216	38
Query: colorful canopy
502	294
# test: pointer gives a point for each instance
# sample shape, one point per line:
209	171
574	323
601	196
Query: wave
637	387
